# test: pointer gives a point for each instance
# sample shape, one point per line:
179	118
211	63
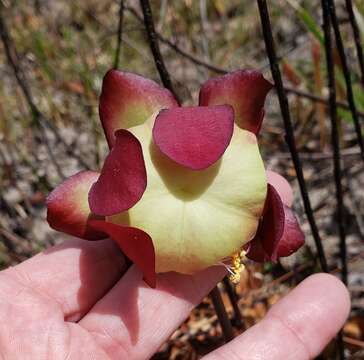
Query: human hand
77	301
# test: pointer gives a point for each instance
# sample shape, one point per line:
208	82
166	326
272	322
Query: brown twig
180	51
318	99
354	342
15	244
40	120
320	155
288	275
13	60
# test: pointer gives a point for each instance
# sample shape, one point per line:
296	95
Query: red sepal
136	244
123	177
195	137
68	210
244	90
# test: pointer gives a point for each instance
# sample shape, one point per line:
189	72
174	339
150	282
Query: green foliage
308	20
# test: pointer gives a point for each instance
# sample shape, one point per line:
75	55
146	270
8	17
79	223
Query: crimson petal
136	244
123	177
67	207
244	90
270	230
195	137
282	186
128	100
293	237
255	251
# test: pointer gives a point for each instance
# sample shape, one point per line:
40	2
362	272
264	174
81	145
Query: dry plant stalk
318	83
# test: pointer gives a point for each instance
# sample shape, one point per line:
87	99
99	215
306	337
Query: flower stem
346	72
233	297
222	315
356	32
290	139
335	137
154	46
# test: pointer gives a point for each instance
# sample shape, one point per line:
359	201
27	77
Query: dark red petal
293	237
68	210
282	186
195	137
244	90
271	227
123	177
128	100
255	250
136	244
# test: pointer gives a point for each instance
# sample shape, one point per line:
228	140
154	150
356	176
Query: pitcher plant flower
182	188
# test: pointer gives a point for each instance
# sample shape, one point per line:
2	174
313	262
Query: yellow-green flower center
197	218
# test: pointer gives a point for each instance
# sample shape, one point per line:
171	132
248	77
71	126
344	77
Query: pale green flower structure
183	188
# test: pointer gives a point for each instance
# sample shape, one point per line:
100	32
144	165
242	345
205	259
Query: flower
182	188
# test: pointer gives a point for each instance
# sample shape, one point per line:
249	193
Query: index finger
298	327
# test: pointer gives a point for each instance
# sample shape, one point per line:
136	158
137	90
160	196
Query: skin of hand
78	301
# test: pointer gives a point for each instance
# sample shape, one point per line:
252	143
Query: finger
75	274
298	327
133	320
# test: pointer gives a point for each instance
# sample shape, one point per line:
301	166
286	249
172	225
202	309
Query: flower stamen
235	265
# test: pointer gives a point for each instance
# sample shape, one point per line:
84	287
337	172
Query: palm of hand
76	301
